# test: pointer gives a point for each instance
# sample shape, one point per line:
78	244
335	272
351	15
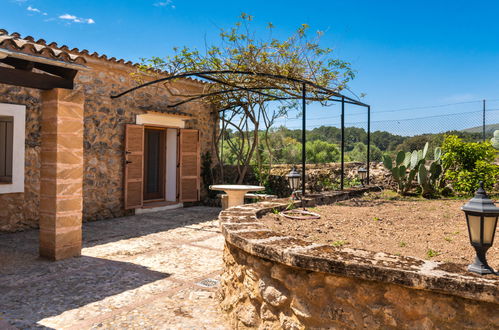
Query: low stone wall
275	281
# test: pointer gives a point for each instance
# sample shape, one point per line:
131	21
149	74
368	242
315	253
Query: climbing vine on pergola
244	74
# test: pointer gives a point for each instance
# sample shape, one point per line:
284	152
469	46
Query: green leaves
422	175
402	171
415	162
407	159
437	154
387	162
414	159
425	150
400	158
467	163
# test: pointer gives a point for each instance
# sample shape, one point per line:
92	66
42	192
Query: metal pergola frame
326	94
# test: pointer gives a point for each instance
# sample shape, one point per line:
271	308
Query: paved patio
134	272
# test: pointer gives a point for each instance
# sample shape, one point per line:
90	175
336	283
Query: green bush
468	163
321	152
359	153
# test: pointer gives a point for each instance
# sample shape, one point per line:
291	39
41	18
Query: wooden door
134	166
154	163
189	165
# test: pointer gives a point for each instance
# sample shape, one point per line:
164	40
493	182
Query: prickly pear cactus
404	162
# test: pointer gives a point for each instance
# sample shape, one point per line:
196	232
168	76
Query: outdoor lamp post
362	175
294	178
481	218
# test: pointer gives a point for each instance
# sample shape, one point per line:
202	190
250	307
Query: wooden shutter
189	165
134	166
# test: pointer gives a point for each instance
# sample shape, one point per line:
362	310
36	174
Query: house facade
71	153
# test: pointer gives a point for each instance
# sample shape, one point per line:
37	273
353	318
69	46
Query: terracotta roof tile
15	43
27	44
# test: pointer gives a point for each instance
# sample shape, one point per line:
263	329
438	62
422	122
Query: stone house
69	152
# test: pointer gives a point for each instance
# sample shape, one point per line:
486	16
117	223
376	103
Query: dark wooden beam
57	70
21	64
18	63
33	80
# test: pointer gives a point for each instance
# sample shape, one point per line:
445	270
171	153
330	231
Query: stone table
236	192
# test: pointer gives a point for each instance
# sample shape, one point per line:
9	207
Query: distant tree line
324	143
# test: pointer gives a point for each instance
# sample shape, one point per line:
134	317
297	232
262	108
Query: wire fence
406	128
470	122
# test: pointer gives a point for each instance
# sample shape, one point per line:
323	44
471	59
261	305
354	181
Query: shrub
468	163
359	153
322	152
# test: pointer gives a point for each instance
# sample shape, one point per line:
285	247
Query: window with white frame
12	136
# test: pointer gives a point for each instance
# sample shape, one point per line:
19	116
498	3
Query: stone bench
254	197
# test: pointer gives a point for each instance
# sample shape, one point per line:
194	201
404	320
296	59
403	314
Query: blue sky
407	54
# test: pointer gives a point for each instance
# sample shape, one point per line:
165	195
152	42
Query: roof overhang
26	63
4	53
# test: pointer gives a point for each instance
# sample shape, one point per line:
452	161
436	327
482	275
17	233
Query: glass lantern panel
295	182
489	226
474	225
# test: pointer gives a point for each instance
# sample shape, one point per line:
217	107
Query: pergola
273	87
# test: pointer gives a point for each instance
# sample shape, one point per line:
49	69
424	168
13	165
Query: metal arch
343	99
258	74
254	89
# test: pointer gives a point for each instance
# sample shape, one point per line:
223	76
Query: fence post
483	125
342	178
368	143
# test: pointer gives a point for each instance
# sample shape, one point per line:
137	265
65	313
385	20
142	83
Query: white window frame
19	113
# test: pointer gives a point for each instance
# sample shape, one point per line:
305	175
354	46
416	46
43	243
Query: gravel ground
427	229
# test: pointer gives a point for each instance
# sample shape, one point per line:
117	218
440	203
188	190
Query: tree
386	141
298	57
359	153
322	152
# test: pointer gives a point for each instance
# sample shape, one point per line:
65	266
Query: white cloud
165	3
75	19
36	10
67	16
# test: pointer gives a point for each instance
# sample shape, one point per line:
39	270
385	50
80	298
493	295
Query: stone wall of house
275	281
20	210
105	120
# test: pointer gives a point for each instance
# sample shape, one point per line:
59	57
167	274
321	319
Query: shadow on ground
32	289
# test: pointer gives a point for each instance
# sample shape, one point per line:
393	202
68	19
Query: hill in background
488	129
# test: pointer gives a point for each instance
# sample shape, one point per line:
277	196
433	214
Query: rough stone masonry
271	281
103	137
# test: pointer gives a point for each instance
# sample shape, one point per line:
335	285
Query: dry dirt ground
138	272
427	229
